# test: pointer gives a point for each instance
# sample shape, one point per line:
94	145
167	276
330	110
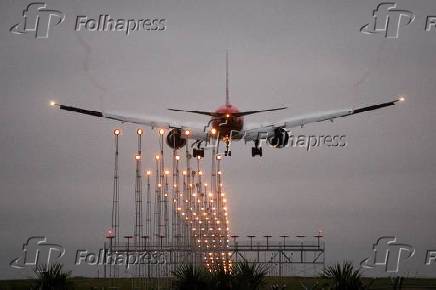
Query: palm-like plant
189	277
220	279
397	283
52	277
343	277
242	276
249	276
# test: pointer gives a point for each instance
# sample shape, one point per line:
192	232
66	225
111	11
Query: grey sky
309	55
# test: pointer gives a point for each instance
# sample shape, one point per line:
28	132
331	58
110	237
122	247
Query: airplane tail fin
227	79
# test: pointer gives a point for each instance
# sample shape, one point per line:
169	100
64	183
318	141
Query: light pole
251	241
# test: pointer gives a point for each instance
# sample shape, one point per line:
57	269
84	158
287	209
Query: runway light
117	132
187	132
219	157
227	115
138	157
177	157
167	172
157	157
161	131
148	172
139	131
213	131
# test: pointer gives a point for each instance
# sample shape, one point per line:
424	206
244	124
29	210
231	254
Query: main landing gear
198	152
256	150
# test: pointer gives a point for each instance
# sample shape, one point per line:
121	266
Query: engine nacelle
174	139
280	138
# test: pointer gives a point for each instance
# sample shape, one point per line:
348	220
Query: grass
294	283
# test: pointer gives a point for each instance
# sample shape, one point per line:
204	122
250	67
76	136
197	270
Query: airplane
227	124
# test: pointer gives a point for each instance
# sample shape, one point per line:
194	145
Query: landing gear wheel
256	151
227	152
198	153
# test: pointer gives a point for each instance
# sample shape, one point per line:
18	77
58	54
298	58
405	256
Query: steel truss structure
186	221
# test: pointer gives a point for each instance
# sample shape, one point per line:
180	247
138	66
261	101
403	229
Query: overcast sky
56	173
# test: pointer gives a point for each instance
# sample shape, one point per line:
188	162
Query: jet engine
280	138
175	140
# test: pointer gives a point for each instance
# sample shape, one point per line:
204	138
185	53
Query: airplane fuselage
228	125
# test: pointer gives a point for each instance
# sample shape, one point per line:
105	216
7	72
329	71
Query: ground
290	282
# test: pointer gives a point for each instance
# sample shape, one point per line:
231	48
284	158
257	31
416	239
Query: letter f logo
389	254
388	20
38	19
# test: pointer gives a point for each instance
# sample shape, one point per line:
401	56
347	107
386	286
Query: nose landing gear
227	152
256	150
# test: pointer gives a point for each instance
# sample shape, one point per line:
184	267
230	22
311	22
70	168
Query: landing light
227	115
213	131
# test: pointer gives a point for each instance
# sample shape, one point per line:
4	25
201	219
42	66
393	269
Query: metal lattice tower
116	192
138	229
187	220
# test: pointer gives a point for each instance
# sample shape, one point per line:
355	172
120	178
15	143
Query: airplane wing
196	130
262	131
235	114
